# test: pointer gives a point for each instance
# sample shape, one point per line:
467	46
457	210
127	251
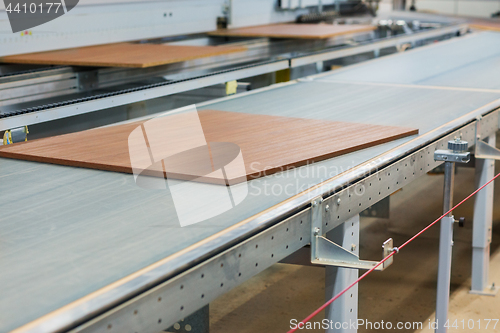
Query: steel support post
343	313
482	224
445	250
457	152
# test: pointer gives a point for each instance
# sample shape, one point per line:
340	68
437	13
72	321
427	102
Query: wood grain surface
121	55
269	144
295	31
485	24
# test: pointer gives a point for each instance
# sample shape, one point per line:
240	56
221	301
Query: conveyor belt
6	114
67	232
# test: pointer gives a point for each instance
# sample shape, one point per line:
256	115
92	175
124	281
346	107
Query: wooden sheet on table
295	31
485	24
122	55
268	144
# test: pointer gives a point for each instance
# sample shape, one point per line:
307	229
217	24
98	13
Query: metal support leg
344	310
482	224
457	152
445	251
320	67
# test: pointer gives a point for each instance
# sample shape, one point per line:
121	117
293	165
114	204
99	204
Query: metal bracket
456	152
450	156
485	151
325	252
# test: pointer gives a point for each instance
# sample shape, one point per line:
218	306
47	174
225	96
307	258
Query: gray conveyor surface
66	232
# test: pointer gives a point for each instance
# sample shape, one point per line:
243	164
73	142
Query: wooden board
122	55
296	31
485	24
269	144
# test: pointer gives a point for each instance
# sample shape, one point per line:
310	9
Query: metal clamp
325	252
15	135
456	152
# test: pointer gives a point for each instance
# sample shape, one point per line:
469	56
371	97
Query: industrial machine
87	250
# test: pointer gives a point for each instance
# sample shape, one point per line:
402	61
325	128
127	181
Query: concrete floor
403	293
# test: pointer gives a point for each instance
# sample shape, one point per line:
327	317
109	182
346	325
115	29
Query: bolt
353	247
314	203
316	231
327	208
338	201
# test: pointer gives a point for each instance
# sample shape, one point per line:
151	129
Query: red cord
321	308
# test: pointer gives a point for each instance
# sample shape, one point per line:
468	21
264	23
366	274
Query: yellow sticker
231	87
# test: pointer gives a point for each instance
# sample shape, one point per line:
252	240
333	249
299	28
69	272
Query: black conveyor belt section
6	114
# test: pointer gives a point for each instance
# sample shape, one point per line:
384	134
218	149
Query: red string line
321	308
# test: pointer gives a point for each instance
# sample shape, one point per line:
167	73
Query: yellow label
231	87
283	75
7	138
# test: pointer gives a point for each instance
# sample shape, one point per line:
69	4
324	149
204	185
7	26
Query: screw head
338	201
327	208
316	231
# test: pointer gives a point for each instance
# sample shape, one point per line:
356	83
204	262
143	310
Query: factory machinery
86	250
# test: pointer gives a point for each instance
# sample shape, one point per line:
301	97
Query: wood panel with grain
269	144
294	31
122	55
485	24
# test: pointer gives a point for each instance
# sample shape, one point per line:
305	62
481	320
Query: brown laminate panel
294	31
121	55
268	144
485	24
